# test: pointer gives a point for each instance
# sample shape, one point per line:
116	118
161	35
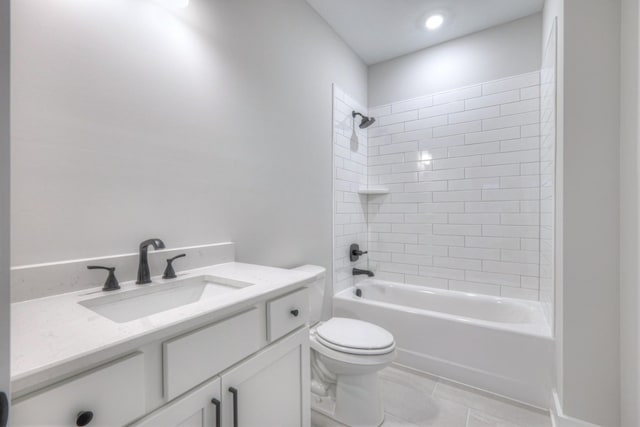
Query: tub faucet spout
357	271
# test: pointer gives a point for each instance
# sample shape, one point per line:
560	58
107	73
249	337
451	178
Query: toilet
346	355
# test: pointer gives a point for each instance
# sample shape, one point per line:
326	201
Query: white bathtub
501	345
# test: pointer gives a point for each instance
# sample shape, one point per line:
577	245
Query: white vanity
225	345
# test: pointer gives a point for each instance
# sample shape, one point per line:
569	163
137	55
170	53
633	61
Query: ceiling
378	30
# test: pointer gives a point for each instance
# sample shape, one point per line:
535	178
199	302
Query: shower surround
463	173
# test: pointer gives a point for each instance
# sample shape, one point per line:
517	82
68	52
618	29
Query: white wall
196	125
629	217
498	52
4	194
587	318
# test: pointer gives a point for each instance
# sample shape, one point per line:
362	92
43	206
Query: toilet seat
353	336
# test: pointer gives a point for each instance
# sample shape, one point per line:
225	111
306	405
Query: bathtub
500	345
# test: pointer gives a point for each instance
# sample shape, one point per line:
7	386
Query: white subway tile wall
463	172
547	176
350	173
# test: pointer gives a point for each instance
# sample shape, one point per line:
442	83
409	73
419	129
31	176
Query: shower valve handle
355	253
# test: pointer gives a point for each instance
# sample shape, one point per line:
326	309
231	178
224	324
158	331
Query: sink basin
127	306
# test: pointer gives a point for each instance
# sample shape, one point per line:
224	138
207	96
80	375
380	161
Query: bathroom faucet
143	266
357	271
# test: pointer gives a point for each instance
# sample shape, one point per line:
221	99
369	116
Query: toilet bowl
346	355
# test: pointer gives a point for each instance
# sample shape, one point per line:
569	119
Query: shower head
366	121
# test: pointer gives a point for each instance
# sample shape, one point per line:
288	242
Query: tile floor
417	400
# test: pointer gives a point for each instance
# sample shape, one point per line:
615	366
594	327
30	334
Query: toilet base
359	400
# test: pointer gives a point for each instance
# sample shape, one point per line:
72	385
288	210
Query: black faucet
357	271
143	267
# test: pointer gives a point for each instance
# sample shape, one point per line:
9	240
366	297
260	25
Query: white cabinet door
271	389
198	408
4	210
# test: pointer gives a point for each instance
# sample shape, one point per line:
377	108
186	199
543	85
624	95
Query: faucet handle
169	272
111	284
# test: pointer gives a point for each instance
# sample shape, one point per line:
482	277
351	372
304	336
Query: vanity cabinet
111	395
199	408
270	389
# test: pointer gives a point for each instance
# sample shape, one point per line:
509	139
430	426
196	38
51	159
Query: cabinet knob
84	418
295	312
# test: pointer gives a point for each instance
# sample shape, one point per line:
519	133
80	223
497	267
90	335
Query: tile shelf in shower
373	190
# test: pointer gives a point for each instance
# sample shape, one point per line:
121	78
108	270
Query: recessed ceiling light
433	22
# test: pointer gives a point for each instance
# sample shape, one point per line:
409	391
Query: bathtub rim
539	327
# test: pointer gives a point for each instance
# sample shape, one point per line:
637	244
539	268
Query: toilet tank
316	291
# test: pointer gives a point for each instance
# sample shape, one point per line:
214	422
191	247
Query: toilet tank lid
317	271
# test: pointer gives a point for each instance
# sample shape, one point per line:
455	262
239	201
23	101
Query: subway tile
458	230
441	207
441	175
474	184
512	157
530	282
383	110
510	268
474	218
495	99
511	194
392	208
425	186
425	218
530	130
520	144
492	242
414	135
530	92
386	130
493	278
528	257
494	207
511	83
524	231
530	168
379	140
520	107
398	118
519	293
411	197
471	115
398	177
386	159
457	196
444	273
520	219
412	259
390	218
386	247
457	95
412	228
441	240
530	244
412	104
493	135
475	253
426	123
457	162
392	267
410	167
458	129
426	250
445	141
457	263
474	149
399	148
492	171
510	121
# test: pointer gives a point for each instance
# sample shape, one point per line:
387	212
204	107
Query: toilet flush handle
295	312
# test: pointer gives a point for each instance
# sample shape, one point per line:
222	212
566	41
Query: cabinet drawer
193	358
287	313
114	393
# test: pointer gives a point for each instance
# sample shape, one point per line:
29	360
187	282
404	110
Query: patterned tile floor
417	400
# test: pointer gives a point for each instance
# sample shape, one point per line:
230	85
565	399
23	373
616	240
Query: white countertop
47	333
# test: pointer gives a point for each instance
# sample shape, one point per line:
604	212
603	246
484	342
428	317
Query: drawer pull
295	312
216	403
84	418
234	392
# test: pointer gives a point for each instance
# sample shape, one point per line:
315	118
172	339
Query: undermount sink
131	305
